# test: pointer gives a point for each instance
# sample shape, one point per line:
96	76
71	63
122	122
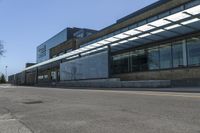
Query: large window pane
120	64
115	65
142	60
134	62
165	57
124	63
179	54
178	49
193	46
153	59
139	60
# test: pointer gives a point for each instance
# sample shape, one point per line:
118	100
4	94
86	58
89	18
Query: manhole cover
33	102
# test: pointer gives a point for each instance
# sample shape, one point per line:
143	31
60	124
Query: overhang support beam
178	33
179	23
193	16
152	33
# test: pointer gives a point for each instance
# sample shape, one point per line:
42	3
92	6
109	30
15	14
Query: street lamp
6	73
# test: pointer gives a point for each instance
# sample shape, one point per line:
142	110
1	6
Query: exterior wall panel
46	46
88	67
63	48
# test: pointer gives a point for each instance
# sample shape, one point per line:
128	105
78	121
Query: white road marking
3	86
168	94
145	93
151	93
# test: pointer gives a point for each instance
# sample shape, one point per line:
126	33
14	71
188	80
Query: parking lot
52	110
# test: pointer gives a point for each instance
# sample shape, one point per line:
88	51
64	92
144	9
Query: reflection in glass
165	57
134	62
193	46
120	63
178	48
179	54
153	59
139	60
142	60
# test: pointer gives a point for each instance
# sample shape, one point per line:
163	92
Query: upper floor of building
43	50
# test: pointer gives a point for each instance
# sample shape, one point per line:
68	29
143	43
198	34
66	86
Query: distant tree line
2	76
2	79
1	48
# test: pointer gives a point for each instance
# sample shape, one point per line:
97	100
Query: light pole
6	73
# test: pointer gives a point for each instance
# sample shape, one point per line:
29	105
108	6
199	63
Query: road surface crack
9	123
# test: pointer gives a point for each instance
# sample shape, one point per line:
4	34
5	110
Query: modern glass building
158	42
43	50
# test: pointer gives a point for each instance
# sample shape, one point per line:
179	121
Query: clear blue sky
25	24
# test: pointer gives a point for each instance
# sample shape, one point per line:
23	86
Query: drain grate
33	102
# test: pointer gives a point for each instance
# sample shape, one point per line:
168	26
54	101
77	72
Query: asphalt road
50	110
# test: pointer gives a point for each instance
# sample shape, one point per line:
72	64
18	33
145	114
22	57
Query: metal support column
36	76
109	61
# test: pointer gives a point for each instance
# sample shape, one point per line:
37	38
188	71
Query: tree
1	48
2	79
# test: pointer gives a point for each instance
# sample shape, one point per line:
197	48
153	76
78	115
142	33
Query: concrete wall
88	67
173	74
115	83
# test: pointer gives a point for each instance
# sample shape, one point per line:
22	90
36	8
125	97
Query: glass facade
193	48
165	57
153	59
44	49
121	63
184	53
179	53
183	7
138	60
